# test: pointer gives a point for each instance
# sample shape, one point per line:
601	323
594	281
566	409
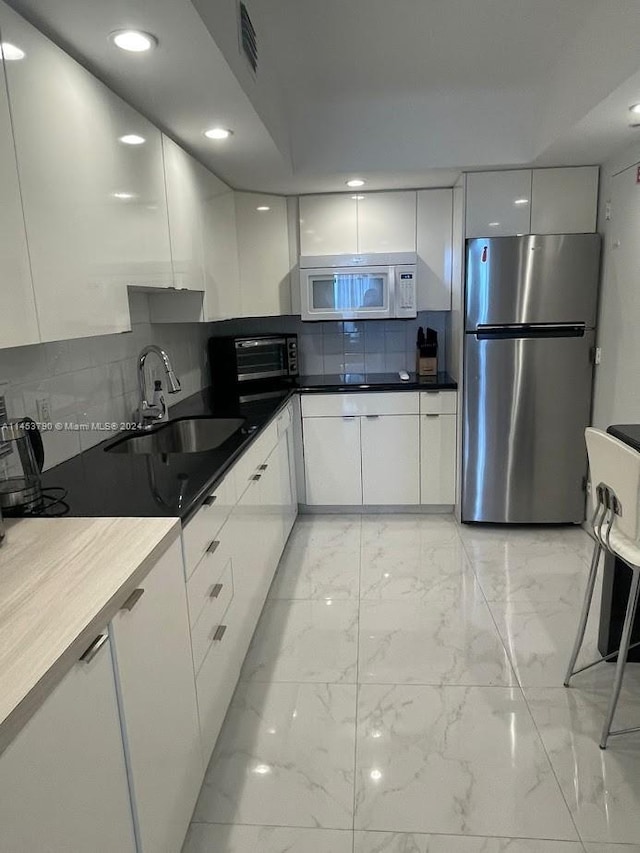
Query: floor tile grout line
357	705
526	702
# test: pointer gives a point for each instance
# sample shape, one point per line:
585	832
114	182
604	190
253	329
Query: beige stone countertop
61	581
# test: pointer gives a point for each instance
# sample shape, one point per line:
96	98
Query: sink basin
187	435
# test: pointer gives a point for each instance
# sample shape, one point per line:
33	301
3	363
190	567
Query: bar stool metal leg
588	597
622	655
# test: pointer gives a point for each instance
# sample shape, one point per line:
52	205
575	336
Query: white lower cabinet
63	780
390	459
380	449
332	461
156	689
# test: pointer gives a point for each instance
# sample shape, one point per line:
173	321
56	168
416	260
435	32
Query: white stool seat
615	495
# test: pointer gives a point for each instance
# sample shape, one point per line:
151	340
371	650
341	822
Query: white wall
95	379
617	385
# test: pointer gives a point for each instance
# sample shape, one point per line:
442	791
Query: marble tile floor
403	694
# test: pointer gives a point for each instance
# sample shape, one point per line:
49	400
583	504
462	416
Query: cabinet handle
133	599
349	418
213	546
263	467
210	500
216	590
433	414
372	417
219	633
256	477
94	648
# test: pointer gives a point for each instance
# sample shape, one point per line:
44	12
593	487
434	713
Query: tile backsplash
364	346
94	380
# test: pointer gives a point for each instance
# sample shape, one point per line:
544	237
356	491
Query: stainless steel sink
188	435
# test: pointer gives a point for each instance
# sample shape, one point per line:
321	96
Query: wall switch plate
43	405
598	355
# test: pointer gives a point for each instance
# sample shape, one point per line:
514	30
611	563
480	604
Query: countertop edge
54	673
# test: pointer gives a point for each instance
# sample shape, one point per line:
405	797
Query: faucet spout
148	414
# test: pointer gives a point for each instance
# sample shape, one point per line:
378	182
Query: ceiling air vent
248	38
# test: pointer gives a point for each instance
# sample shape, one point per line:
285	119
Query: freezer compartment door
527	402
535	279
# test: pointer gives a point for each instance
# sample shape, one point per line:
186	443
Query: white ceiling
404	92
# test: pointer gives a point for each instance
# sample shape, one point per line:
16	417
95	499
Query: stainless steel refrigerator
530	313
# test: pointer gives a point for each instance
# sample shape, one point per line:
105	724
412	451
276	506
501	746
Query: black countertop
339	382
99	483
629	433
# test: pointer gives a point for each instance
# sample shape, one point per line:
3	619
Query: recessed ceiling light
263	207
355	182
218	133
132	139
521	201
10	52
493	224
634	108
357	197
123	195
134	41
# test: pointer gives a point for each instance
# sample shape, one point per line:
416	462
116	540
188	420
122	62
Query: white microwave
347	289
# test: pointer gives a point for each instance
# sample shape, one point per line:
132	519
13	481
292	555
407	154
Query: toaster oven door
261	358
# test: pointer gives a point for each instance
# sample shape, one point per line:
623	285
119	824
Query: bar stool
615	490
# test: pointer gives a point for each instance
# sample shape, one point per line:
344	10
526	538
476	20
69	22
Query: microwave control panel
405	291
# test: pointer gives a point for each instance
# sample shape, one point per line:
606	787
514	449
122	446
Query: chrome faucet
148	414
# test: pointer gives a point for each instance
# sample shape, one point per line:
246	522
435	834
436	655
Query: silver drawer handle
212	547
263	467
433	414
215	590
219	633
94	648
133	599
349	418
210	500
372	417
256	477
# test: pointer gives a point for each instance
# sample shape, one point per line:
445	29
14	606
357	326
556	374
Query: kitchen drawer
207	573
210	619
255	455
335	405
201	530
438	402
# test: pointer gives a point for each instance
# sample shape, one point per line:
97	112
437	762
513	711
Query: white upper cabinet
263	254
386	222
94	206
498	203
222	273
435	249
564	201
328	224
18	320
185	182
358	223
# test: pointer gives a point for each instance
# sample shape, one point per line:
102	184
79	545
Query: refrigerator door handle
530	330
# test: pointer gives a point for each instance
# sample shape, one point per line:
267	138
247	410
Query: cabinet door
390	459
498	203
329	224
222	273
332	461
263	253
94	207
435	249
18	321
386	222
438	459
154	668
564	201
63	781
185	205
